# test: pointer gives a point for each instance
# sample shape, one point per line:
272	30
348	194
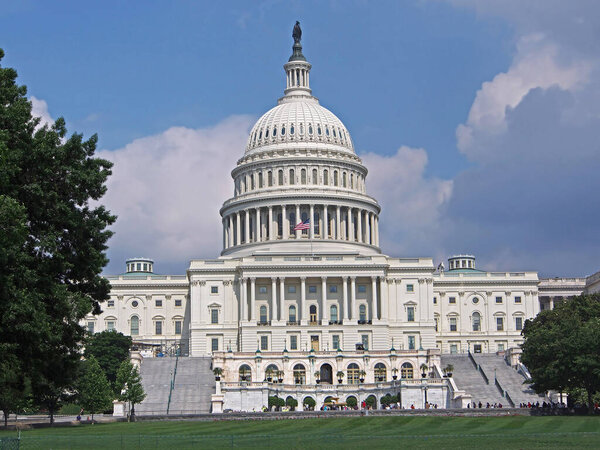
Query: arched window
362	313
252	181
299	374
279	225
267	132
380	372
272	371
292	314
313	314
280	178
274	131
292	130
351	181
303	176
293	223
344	177
263	314
319	130
316	223
315	176
326	177
335	178
134	326
260	180
310	130
353	373
292	176
333	313
270	178
245	373
406	371
476	319
244	184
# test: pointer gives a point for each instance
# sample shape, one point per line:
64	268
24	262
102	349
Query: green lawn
350	432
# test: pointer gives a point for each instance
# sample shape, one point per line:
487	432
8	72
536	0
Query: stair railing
478	367
503	392
172	383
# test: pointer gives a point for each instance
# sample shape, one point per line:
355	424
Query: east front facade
302	294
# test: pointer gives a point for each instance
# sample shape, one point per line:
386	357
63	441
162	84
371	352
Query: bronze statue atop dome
297	33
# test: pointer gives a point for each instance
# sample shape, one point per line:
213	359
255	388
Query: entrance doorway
314	343
313	314
326	374
477	348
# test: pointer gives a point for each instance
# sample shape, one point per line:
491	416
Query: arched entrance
326	374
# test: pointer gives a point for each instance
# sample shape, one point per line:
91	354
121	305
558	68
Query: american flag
303	225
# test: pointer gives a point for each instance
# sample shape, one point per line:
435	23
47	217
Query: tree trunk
132	415
51	411
6	413
590	402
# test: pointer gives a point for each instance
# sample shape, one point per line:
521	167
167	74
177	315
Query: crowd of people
543	405
481	405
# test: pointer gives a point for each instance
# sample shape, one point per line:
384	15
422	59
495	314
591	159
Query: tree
291	402
110	350
561	347
95	392
309	403
53	245
129	386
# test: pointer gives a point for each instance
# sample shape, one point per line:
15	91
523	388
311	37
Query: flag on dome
303	225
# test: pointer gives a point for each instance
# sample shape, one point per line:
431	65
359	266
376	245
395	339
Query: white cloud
39	108
411	202
167	190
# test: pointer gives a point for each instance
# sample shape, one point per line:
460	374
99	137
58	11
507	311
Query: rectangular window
214	344
362	288
178	302
500	347
453	348
452	300
452	323
435	300
518	299
410	288
411	343
214	315
264	343
178	327
293	342
333	288
518	323
335	342
110	325
312	289
437	324
262	289
158	327
90	327
500	323
158	303
110	304
214	289
291	289
498	299
410	313
365	341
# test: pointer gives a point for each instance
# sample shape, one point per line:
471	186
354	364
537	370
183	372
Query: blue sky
161	79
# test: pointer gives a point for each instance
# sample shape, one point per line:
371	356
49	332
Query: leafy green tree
52	242
291	402
129	386
351	402
110	350
309	403
95	392
561	347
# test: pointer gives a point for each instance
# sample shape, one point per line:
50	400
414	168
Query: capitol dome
299	121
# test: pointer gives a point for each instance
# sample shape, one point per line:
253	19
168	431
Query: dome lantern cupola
297	69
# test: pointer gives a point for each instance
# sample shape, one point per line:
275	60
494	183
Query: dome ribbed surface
298	122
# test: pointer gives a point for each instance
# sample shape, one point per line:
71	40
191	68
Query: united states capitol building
303	301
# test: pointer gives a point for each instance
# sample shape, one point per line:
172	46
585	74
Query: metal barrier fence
9	443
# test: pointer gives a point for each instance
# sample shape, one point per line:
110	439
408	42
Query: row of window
476	323
248	182
498	300
158	303
134	326
327	132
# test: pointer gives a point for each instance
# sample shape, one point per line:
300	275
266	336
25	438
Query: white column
345	298
384	298
360	219
350	225
247	225
374	310
223	223
337	222
312	224
281	298
297	221
324	310
258	230
238	227
243	299
302	307
325	230
274	315
284	223
377	231
372	229
271	227
253	299
352	308
551	303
